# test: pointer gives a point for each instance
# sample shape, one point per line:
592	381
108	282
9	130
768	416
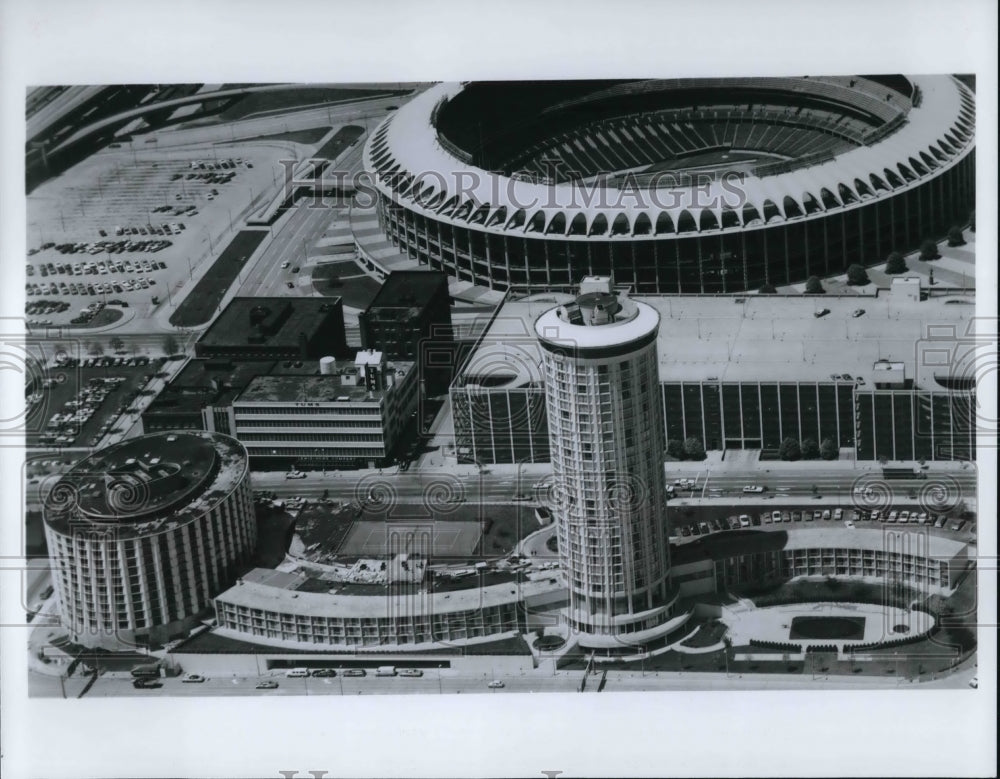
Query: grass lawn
294	97
201	302
106	316
307	137
708	634
336	270
357	293
501	526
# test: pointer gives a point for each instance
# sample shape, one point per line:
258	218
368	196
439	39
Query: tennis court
436	538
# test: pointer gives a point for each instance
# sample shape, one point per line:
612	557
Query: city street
503	483
447	682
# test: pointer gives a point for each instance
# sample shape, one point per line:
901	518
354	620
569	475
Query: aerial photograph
501	387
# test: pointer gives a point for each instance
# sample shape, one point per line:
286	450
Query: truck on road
385	670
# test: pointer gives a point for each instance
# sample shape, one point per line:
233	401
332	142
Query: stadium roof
419	170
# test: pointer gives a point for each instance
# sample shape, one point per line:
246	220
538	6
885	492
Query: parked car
193	679
496	684
269	684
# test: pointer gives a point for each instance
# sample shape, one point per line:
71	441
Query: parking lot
136	227
78	404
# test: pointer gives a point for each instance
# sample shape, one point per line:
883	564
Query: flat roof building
276	329
349	415
745	372
410	319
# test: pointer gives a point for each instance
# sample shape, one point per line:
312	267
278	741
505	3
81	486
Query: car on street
295	475
821	313
858	312
410	672
269	684
321	672
496	684
193	679
147	684
285	264
353	672
753	489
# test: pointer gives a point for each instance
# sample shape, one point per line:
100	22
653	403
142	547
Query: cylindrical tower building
607	448
142	535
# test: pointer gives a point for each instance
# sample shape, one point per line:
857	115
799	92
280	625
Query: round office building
689	185
143	534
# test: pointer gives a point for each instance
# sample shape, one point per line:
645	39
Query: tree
117	344
768	289
810	449
789	449
814	286
694	449
955	237
857	276
829	450
929	250
675	449
895	264
170	345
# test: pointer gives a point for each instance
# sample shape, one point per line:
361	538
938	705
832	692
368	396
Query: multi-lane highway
505	482
291	244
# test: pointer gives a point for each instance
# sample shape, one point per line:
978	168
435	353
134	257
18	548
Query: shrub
929	250
857	275
675	449
810	449
694	449
955	237
829	450
895	264
814	286
768	289
789	449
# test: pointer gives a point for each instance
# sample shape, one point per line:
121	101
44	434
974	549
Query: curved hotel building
144	534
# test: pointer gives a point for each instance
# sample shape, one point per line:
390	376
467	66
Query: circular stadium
686	185
143	534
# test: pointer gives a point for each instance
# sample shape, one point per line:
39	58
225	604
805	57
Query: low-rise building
410	319
276	329
352	414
